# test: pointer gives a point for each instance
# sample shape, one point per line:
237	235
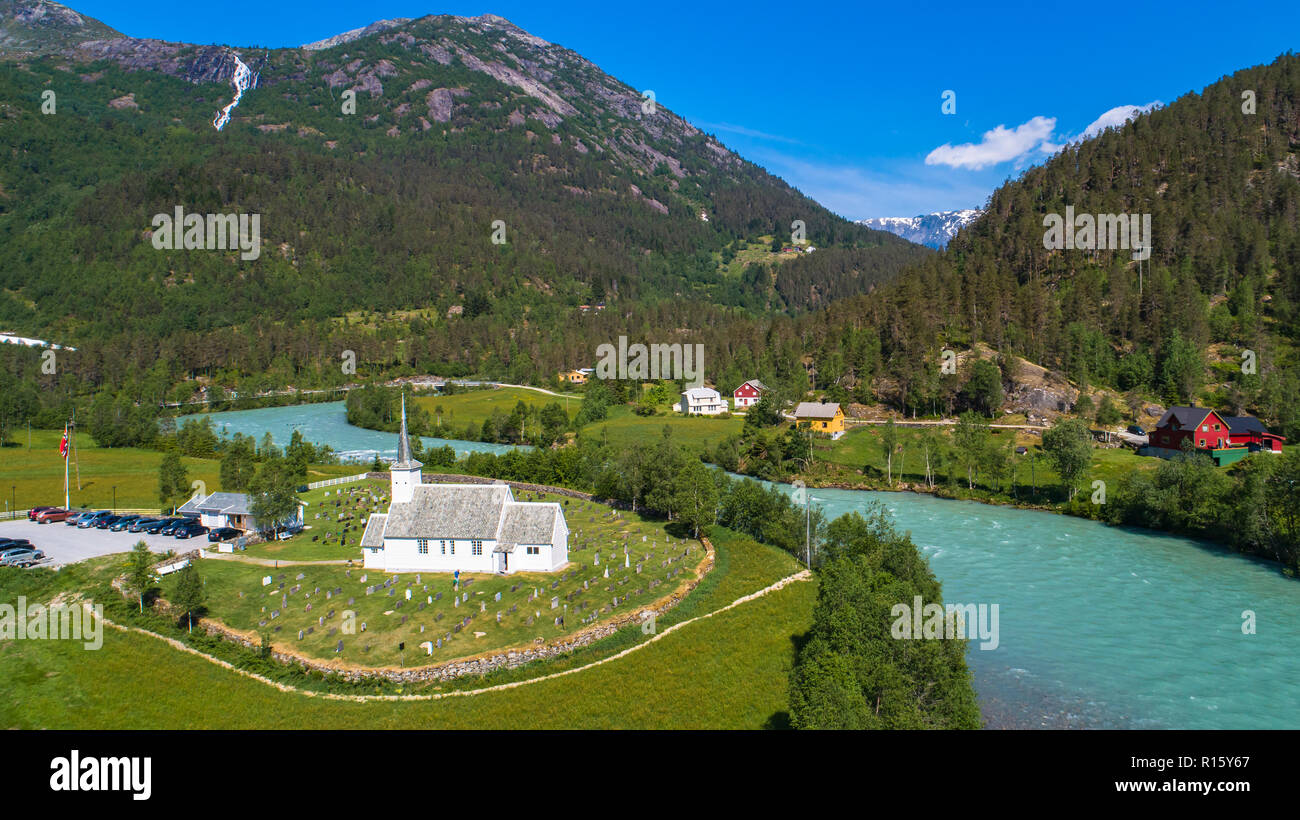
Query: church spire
404	442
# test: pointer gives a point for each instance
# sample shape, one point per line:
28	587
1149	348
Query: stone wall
481	665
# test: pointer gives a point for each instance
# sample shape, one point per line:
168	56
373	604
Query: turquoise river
1098	627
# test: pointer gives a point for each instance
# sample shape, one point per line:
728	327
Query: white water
243	80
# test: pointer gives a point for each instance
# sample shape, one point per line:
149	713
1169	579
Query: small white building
234	510
701	401
467	527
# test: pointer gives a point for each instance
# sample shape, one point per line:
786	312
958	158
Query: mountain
382	165
39	26
1209	314
932	230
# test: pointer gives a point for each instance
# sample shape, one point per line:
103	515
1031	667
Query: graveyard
619	561
335	518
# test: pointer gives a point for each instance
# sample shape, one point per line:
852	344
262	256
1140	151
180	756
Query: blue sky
842	100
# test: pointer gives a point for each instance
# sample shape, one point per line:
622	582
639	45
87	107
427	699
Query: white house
467	527
701	401
229	510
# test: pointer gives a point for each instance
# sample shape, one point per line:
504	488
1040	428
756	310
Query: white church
466	527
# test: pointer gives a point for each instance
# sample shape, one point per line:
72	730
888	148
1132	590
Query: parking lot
67	545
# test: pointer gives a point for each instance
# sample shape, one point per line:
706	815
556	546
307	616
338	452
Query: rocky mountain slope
932	230
39	26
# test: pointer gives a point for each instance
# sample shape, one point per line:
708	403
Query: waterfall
243	80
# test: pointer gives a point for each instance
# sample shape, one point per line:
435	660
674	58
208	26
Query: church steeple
405	472
404	443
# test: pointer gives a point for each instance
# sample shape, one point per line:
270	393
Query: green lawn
476	406
728	671
585	590
697	432
35	474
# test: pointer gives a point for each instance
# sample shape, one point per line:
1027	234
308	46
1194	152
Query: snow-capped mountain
933	230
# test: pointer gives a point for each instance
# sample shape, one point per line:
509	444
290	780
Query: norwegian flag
63	445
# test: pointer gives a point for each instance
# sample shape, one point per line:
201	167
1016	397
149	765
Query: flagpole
67	500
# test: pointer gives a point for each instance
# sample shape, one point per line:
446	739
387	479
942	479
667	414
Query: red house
1250	432
748	393
1225	438
1206	428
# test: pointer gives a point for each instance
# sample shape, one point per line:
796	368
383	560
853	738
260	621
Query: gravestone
338	648
300	576
351	601
275	613
497	597
266	580
300	634
555	602
408	594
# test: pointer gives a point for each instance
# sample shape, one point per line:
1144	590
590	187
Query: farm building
468	527
1224	438
748	393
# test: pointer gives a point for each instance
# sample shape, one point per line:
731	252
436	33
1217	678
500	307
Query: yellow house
576	376
821	417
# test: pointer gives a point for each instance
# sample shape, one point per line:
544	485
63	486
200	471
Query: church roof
529	523
374	534
465	511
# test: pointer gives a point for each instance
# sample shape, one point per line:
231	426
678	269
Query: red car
35	511
52	514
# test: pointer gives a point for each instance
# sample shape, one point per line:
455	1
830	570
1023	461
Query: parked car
171	526
74	517
51	514
1136	430
105	522
34	511
223	533
92	520
161	524
140	523
122	522
189	530
13	544
21	557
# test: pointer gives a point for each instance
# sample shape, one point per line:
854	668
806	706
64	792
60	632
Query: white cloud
1115	118
1002	144
855	192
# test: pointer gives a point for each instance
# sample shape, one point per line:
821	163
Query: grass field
728	671
35	474
861	446
586	592
697	432
476	406
32	476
